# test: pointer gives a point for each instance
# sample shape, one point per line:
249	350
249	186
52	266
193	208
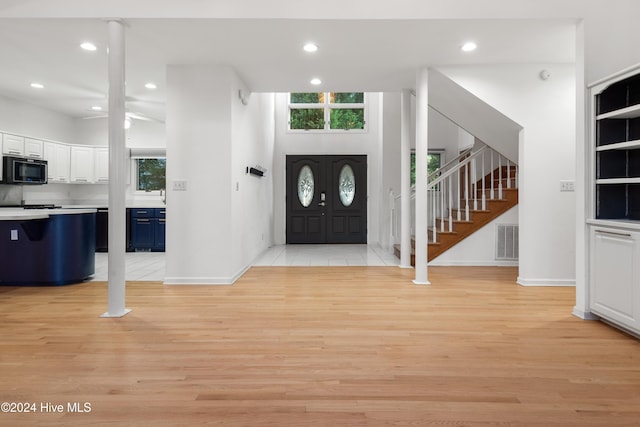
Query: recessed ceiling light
316	82
96	108
151	86
310	47
88	46
37	85
469	47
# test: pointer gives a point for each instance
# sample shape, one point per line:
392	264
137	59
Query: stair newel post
500	177
484	197
492	196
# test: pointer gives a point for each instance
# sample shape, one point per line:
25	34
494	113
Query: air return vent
506	242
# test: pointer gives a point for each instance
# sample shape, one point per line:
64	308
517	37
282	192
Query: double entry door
326	199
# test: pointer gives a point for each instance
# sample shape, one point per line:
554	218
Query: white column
117	172
583	201
405	180
422	146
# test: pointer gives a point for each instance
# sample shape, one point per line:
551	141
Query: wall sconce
257	170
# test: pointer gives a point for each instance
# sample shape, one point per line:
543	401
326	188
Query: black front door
326	199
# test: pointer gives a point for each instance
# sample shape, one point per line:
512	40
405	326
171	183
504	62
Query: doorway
326	199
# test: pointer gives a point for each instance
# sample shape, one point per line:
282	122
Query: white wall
210	138
36	122
546	110
368	143
253	136
479	248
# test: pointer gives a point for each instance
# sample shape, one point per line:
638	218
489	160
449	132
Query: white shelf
629	145
618	181
624	113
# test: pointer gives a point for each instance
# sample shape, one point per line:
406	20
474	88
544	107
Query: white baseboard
585	315
206	280
545	282
436	263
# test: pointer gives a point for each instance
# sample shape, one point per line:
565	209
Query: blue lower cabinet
160	232
147	229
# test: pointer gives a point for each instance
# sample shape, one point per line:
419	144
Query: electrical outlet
567	186
179	185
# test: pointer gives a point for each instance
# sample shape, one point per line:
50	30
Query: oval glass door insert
306	186
347	185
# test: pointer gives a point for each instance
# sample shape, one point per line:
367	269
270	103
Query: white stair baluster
492	194
484	197
508	173
459	199
499	177
450	185
466	191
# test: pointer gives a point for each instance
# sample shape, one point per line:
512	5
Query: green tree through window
326	110
151	174
434	161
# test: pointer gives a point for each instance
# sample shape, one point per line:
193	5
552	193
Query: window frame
135	175
439	151
327	106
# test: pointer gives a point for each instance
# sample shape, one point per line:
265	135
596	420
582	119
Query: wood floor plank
318	346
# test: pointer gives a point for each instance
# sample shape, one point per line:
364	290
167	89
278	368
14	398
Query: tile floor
150	266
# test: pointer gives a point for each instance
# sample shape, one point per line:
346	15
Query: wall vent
507	242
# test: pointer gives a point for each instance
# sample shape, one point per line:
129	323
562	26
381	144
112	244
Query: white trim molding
207	281
545	282
436	263
584	315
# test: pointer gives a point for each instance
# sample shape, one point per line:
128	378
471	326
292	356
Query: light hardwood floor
308	346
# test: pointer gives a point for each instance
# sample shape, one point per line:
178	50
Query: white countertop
19	214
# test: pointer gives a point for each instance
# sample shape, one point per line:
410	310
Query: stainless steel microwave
22	170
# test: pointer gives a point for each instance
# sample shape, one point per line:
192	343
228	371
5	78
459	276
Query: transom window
327	111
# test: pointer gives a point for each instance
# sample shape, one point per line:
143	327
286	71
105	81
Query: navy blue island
47	246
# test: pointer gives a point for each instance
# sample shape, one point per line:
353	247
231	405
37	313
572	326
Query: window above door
327	111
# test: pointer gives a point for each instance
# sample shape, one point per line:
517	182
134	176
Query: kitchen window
327	111
150	174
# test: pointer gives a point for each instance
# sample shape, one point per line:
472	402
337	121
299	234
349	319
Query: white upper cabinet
12	145
33	148
15	145
101	164
82	164
58	157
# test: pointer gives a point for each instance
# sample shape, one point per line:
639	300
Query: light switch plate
179	185
14	234
567	186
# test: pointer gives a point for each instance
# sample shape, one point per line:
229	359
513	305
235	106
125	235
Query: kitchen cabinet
613	164
58	158
615	274
12	145
16	145
82	164
147	229
33	148
101	165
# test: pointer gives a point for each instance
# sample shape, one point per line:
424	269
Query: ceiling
353	55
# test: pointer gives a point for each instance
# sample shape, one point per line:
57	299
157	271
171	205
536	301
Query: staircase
463	198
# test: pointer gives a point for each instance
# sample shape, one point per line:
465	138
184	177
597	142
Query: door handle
321	204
